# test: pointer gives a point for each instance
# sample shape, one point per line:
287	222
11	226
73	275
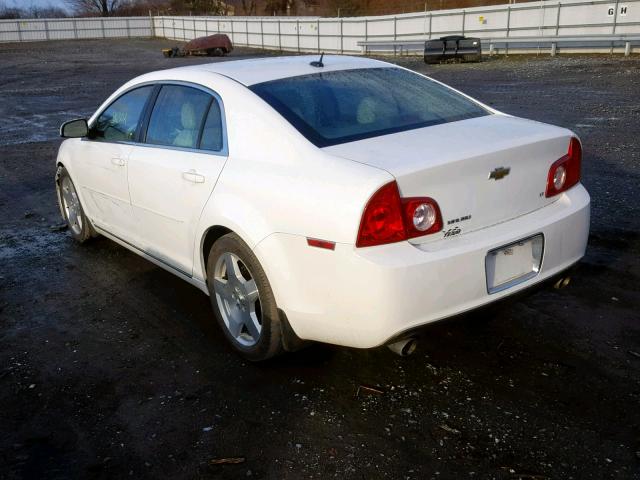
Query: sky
36	3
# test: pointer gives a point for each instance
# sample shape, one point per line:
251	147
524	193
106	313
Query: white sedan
347	201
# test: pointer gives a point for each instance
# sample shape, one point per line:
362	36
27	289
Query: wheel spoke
249	290
233	270
252	325
66	196
235	321
73	216
222	288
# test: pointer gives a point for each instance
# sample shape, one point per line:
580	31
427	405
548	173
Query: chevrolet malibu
346	200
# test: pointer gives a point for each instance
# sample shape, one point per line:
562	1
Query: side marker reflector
314	242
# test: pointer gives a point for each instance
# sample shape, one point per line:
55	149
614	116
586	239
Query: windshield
347	105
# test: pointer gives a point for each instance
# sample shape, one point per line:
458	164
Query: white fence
74	28
313	34
543	18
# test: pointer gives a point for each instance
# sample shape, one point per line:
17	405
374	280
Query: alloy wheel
71	205
238	299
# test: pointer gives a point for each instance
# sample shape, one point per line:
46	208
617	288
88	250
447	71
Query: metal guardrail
515	43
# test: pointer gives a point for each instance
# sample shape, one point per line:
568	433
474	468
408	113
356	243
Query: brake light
565	172
387	218
382	218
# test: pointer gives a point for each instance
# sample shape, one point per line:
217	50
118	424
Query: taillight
421	216
382	218
565	172
387	218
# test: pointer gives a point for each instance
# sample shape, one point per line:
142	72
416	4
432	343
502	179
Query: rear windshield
347	105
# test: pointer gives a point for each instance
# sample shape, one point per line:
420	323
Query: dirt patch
111	367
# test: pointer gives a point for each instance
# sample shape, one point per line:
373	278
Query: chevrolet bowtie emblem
499	173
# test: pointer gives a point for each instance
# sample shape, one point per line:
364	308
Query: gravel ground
111	367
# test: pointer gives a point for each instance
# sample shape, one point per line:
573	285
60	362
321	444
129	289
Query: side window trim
204	121
224	151
141	134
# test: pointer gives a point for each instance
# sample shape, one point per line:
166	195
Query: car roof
258	70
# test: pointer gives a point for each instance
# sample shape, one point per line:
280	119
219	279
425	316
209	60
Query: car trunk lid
481	171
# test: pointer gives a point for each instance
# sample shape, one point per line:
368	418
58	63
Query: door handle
192	176
117	161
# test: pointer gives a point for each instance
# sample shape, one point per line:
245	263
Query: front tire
242	300
71	208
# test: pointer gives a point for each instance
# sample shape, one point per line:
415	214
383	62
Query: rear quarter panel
275	181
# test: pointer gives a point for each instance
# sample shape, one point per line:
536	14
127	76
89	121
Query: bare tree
8	12
30	12
46	12
249	7
198	7
103	8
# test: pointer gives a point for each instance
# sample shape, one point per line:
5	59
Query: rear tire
72	212
242	300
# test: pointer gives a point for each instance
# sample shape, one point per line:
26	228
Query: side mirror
74	129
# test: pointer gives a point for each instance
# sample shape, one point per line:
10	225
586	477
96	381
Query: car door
173	171
101	163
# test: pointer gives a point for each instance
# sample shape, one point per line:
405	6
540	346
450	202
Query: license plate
514	263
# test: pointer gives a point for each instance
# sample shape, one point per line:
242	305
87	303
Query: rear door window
177	116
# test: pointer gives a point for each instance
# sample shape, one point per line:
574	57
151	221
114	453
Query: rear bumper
364	297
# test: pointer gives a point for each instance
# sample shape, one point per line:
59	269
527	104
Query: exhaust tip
405	347
562	283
